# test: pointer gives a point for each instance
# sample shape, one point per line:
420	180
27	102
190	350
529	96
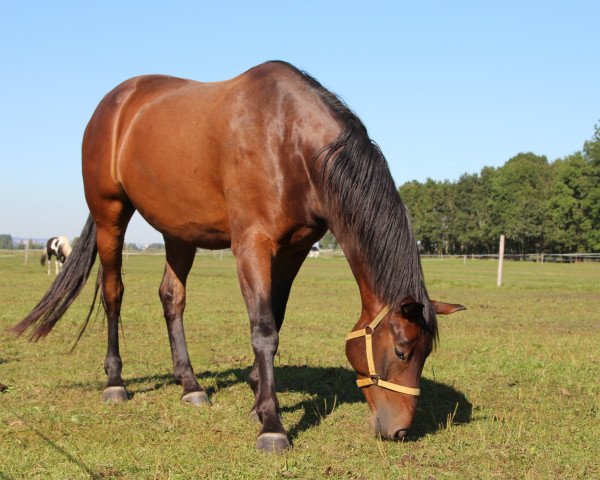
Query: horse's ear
443	308
411	309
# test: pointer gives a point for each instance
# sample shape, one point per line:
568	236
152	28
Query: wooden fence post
27	251
500	260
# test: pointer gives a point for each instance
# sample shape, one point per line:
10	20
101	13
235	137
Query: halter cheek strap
373	378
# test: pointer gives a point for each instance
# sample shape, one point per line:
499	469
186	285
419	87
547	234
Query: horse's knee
172	297
265	338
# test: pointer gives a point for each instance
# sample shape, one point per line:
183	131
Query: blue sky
444	87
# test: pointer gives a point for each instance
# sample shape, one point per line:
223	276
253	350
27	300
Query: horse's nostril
400	434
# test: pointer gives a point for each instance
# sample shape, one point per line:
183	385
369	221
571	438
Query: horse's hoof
114	395
273	442
195	398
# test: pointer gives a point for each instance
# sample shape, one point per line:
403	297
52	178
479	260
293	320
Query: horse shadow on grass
439	406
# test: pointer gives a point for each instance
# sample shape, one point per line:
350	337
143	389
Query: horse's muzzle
391	431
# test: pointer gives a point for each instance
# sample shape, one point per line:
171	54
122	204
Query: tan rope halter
374	379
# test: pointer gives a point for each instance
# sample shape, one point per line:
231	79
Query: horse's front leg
254	262
284	269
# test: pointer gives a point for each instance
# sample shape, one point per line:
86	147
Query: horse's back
194	157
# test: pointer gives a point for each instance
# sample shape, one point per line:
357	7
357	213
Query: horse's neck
371	305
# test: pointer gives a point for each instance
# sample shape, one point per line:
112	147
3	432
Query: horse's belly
197	230
181	202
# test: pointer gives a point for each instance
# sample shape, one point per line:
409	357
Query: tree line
7	243
540	206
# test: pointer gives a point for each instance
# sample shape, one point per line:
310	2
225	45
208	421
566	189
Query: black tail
64	290
43	259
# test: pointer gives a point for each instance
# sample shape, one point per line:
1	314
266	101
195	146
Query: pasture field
512	390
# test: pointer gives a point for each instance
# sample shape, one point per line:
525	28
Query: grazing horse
60	249
263	163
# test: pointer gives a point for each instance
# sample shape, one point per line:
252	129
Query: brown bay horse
263	163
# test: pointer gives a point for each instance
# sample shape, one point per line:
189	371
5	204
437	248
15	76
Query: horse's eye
399	353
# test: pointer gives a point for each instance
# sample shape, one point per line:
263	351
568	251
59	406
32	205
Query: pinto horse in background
60	249
263	163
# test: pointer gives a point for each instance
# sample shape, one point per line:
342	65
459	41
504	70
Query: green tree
539	206
475	229
520	192
591	200
6	241
574	204
591	148
568	220
432	211
417	199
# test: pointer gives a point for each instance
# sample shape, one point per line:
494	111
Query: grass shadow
439	406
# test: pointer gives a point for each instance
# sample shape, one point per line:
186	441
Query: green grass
511	392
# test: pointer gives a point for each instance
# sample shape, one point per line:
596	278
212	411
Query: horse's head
388	355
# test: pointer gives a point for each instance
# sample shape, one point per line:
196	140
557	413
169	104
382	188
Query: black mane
360	191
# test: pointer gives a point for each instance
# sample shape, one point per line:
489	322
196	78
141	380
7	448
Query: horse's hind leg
111	223
180	258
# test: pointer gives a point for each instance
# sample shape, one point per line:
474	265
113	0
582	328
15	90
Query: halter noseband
374	379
